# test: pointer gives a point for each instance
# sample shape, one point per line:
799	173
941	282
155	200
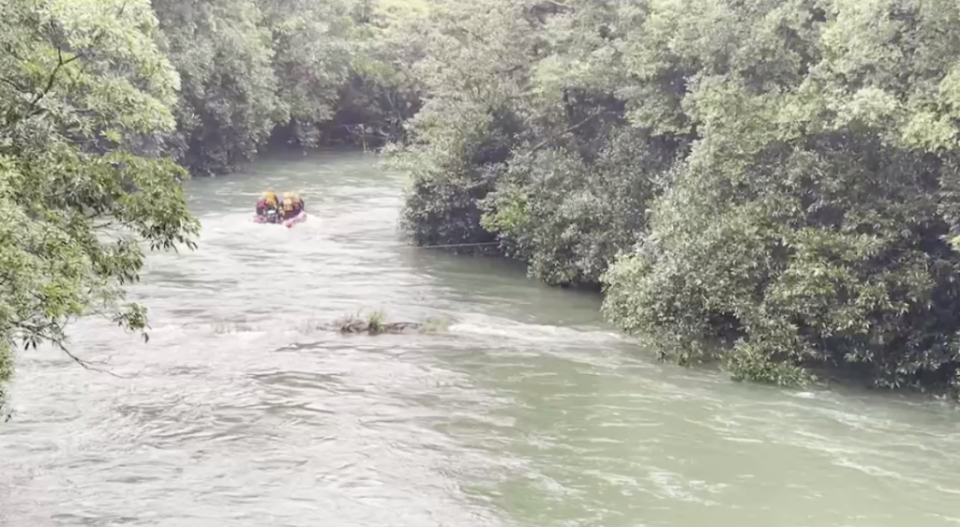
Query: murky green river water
528	412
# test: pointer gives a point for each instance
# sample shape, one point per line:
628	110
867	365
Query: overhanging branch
573	128
84	364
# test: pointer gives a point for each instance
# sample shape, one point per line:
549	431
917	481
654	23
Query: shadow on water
501	288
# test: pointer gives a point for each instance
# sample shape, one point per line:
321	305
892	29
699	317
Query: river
527	411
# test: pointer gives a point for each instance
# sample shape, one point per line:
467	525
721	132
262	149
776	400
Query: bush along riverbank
771	185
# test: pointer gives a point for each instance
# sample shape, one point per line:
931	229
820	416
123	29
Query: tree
85	102
576	194
301	72
229	96
313	49
383	90
474	72
531	146
779	178
807	228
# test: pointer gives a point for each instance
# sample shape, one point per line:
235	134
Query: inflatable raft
299	218
274	219
269	218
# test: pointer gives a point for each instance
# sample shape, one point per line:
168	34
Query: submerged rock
391	328
354	325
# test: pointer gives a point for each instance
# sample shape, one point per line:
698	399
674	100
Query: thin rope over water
457	245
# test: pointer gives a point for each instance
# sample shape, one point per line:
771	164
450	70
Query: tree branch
558	4
86	365
573	128
51	80
15	86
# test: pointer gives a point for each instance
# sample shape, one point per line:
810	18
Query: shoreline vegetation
769	186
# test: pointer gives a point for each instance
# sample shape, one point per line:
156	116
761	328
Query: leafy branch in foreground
85	104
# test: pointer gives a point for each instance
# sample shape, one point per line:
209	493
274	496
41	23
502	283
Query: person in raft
268	205
293	205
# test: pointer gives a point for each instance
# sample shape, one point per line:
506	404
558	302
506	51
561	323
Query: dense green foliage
300	71
767	183
229	100
85	99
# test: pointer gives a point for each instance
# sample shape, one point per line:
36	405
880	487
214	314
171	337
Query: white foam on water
495	327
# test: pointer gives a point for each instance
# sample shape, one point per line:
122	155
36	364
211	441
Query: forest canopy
772	185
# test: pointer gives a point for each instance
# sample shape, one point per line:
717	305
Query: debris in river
375	324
